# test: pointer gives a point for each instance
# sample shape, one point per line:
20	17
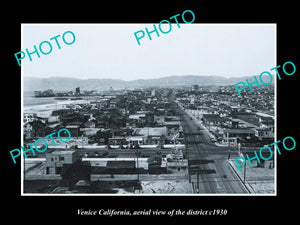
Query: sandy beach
45	110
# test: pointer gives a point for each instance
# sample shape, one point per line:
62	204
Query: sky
111	50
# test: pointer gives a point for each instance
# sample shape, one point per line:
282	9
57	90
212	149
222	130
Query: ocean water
29	100
43	107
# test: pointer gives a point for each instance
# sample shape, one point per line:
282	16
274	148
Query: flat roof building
56	159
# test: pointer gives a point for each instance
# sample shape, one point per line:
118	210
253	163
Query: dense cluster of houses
145	118
248	120
133	119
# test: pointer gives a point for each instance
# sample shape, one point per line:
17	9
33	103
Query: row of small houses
107	131
247	127
97	118
115	138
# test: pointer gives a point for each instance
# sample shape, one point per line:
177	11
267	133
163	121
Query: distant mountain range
64	83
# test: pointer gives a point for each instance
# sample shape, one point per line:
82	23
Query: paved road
216	175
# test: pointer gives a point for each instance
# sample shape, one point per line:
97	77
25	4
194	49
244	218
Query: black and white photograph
149	113
160	118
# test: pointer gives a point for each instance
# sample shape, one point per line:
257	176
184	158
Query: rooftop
72	126
134	138
66	152
120	164
214	117
264	115
239	131
151	131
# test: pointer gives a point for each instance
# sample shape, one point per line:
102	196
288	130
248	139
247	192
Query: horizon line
136	79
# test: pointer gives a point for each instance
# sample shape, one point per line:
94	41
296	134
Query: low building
241	134
213	119
62	112
239	123
74	130
173	127
151	131
154	160
29	117
38	128
117	142
121	167
56	159
102	136
134	141
27	131
249	118
264	133
152	135
137	116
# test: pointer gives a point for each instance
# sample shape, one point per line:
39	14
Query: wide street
208	160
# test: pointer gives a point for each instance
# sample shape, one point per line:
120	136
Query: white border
202	194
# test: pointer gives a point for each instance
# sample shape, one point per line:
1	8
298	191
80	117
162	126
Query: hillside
63	83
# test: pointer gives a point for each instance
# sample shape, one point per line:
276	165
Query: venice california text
243	159
148	212
49	48
38	140
142	33
261	80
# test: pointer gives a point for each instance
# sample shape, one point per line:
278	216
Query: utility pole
197	182
228	146
189	173
137	162
245	172
137	165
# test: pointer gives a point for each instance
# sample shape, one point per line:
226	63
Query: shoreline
45	110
